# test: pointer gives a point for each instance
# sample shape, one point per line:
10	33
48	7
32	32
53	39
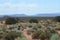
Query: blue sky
29	7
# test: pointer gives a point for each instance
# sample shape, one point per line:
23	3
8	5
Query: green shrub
33	21
57	19
12	36
41	35
55	37
11	20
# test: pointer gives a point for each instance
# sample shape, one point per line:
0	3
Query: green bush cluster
11	20
45	34
33	21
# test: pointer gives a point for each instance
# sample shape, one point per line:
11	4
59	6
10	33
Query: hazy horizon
29	7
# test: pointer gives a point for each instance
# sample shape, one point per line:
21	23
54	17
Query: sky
29	7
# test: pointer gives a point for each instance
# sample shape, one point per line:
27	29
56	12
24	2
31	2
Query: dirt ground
29	37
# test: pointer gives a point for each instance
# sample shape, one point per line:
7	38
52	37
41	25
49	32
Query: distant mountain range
37	15
47	15
18	15
15	15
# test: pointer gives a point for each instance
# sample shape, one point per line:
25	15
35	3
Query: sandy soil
29	37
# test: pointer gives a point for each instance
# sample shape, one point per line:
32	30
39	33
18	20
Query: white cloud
17	8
